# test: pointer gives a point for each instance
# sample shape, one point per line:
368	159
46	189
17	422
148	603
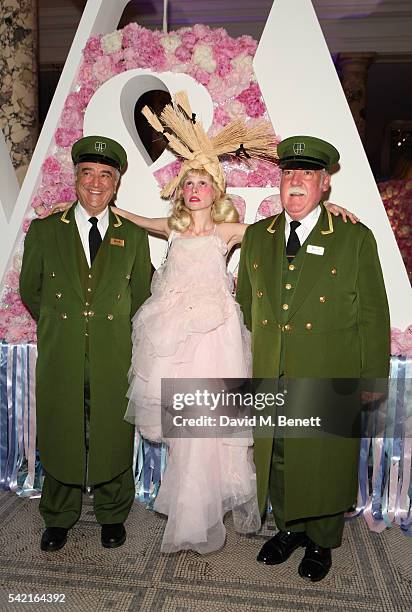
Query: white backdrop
302	94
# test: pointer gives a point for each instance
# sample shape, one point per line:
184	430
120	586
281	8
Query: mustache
297	191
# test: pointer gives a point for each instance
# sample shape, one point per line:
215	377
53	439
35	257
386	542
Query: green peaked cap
100	150
307	153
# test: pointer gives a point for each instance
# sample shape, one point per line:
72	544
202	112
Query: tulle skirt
205	477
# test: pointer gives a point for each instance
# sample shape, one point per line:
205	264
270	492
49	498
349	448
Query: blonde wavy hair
223	210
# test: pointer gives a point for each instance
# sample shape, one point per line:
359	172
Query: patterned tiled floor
370	572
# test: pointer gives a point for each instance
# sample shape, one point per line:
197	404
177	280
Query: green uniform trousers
325	531
61	503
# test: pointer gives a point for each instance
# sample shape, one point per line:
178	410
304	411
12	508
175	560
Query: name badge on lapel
117	242
315	250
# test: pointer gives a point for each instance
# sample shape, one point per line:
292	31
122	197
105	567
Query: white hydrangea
170	43
242	63
235	109
203	57
112	42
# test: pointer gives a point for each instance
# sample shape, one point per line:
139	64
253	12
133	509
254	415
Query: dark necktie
293	244
95	239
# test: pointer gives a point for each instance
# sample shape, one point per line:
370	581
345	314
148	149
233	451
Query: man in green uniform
84	274
312	293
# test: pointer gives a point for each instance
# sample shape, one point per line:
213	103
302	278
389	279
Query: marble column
18	85
353	68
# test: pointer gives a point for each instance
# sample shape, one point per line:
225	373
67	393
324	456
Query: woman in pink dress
191	327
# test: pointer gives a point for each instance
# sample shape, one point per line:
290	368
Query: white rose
170	43
112	42
203	57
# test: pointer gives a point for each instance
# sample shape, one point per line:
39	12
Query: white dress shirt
306	225
83	225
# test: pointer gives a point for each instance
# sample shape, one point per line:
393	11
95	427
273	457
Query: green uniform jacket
335	326
69	324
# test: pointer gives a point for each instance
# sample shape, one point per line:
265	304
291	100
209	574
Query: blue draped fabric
385	484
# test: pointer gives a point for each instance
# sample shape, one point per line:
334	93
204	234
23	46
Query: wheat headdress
188	139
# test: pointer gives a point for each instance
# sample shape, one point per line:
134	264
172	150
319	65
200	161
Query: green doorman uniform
322	315
84	349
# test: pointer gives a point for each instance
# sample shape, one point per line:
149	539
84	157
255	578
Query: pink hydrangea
251	98
270	170
86	76
166	174
67	194
401	342
256	179
12	279
93	49
189	40
103	68
240	205
223	65
71	118
183	54
269	206
51	166
49	194
26	225
72	101
237	178
202	32
220	116
247	44
146	44
16	329
200	75
66	137
85	94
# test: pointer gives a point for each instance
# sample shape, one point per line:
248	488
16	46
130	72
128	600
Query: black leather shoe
316	563
53	538
113	535
279	548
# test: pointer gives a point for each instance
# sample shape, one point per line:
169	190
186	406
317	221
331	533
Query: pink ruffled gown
192	327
